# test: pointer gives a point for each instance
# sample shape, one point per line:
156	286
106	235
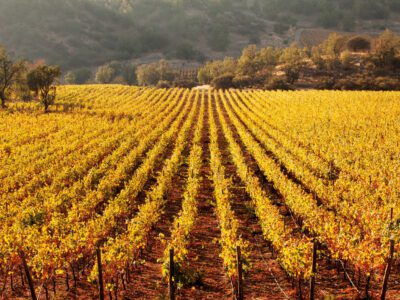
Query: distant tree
216	68
333	45
8	74
267	57
345	59
247	63
331	49
223	82
20	87
386	48
42	80
276	83
358	43
151	74
164	70
105	74
147	74
129	74
317	59
293	62
163	84
80	76
204	75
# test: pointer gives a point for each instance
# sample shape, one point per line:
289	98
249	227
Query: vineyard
251	194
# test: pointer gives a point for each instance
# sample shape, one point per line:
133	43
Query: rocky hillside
76	33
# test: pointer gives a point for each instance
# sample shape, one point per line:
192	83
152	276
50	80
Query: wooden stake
171	275
100	271
240	273
28	276
367	286
67	278
387	271
314	271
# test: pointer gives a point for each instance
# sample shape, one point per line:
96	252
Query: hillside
76	33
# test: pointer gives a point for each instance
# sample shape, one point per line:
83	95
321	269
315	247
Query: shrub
277	83
242	81
80	76
345	59
326	83
151	74
105	74
184	83
358	44
163	84
223	82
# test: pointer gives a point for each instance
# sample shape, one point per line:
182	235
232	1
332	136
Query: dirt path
147	277
204	248
265	280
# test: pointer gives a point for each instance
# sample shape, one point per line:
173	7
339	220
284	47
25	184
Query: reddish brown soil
204	248
265	280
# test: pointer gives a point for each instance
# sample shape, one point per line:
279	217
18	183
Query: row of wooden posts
239	292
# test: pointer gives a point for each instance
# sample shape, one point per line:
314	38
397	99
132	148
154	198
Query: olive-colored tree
386	48
9	71
42	80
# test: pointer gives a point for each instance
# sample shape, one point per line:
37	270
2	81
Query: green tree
293	60
148	74
216	68
42	80
331	48
267	57
80	76
8	74
105	74
333	45
151	74
247	64
129	74
386	48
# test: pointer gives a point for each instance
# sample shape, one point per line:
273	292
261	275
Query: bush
80	76
223	82
364	82
276	83
242	81
345	59
105	74
184	83
326	83
358	44
163	84
153	73
387	84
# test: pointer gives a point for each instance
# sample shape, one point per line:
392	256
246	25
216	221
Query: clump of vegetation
273	68
8	74
223	82
79	76
152	74
41	80
359	44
